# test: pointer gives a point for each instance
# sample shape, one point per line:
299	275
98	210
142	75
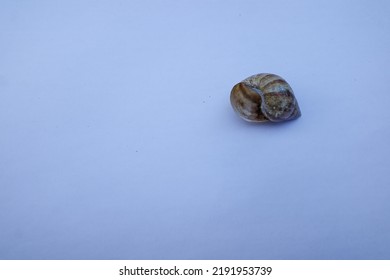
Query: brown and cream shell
264	97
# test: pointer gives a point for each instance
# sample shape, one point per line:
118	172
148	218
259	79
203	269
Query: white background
195	269
117	139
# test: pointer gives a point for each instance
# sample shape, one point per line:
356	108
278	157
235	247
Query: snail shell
264	97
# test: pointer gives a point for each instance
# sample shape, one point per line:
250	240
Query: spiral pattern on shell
264	97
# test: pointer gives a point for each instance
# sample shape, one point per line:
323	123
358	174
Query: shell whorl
264	97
